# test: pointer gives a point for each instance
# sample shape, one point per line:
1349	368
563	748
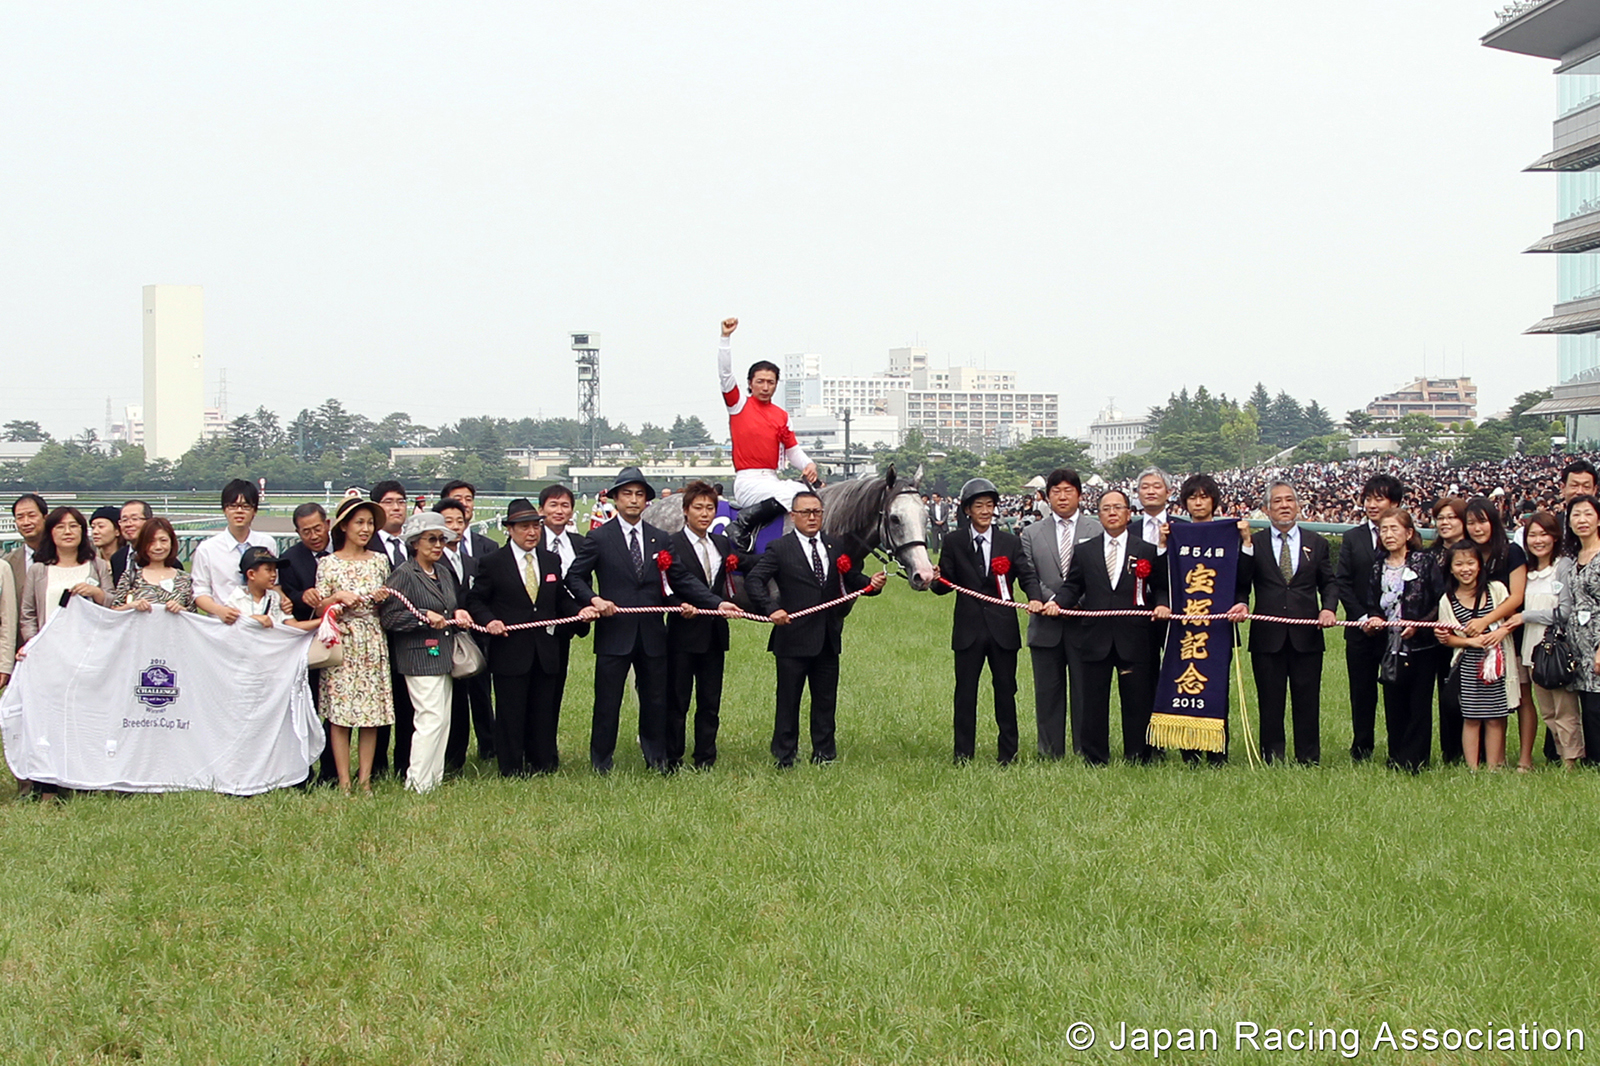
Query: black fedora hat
520	510
632	475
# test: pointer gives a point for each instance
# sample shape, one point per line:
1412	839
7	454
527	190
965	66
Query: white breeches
752	486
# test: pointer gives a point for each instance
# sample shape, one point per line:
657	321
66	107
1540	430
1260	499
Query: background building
174	369
1568	31
1446	399
1113	433
960	406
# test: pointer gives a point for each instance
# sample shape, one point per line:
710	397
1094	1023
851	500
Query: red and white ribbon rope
1129	613
328	632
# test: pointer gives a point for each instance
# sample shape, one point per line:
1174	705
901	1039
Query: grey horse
883	513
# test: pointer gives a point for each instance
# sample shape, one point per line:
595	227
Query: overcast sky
409	206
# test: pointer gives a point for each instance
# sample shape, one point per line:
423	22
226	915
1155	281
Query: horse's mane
854	507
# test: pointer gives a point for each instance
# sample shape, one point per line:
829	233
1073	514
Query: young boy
258	596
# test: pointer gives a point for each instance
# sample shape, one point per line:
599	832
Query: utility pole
849	464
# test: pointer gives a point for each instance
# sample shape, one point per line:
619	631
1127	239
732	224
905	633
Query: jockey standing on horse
762	442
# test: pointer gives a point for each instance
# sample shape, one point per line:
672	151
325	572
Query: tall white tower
174	369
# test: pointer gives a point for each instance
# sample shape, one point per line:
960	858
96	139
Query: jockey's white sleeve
797	457
731	394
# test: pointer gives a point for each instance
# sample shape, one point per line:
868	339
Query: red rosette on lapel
1141	570
1001	567
663	562
729	565
842	564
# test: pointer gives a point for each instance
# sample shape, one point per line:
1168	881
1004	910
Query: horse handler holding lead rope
762	442
810	569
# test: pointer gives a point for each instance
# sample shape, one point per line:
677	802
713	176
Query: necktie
464	547
704	549
1285	562
1064	547
395	554
530	577
977	551
1111	561
1152	530
816	561
634	550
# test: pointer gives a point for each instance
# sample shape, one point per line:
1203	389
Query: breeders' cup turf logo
158	686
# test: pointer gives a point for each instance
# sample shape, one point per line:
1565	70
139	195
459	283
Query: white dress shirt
707	558
1293	535
985	546
387	544
1119	543
269	605
561	544
215	566
1152	526
521	558
822	551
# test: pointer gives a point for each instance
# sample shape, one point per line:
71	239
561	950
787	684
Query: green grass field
890	908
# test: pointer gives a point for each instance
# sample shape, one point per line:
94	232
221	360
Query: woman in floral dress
356	693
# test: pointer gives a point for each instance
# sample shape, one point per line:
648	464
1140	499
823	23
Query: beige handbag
467	660
321	657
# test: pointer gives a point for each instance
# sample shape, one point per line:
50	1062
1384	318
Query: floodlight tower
587	345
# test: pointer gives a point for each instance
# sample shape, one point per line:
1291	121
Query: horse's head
905	527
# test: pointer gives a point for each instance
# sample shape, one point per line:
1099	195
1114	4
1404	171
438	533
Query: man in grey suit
1047	548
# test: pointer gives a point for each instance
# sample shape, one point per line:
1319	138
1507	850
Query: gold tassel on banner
1187	732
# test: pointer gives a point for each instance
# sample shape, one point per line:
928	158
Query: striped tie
1064	548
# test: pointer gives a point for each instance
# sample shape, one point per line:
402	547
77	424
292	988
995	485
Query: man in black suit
939	515
1363	651
297	577
472	701
561	538
391	497
987	560
521	583
624	555
1149	524
807	571
1109	572
696	646
1291	569
131	518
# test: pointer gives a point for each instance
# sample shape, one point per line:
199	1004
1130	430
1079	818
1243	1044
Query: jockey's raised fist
729	325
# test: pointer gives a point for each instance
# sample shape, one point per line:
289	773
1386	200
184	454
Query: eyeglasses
808	511
239	505
435	539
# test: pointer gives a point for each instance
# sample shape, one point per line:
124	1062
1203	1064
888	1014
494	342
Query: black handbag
1555	661
1389	665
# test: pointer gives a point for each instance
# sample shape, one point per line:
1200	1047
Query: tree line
1210	431
326	443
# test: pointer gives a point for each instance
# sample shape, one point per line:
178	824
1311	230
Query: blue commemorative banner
1191	709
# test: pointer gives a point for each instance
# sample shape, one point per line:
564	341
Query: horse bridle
887	550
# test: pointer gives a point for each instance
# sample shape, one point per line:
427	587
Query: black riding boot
743	529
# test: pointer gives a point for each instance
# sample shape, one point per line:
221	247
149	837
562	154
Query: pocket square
549	577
